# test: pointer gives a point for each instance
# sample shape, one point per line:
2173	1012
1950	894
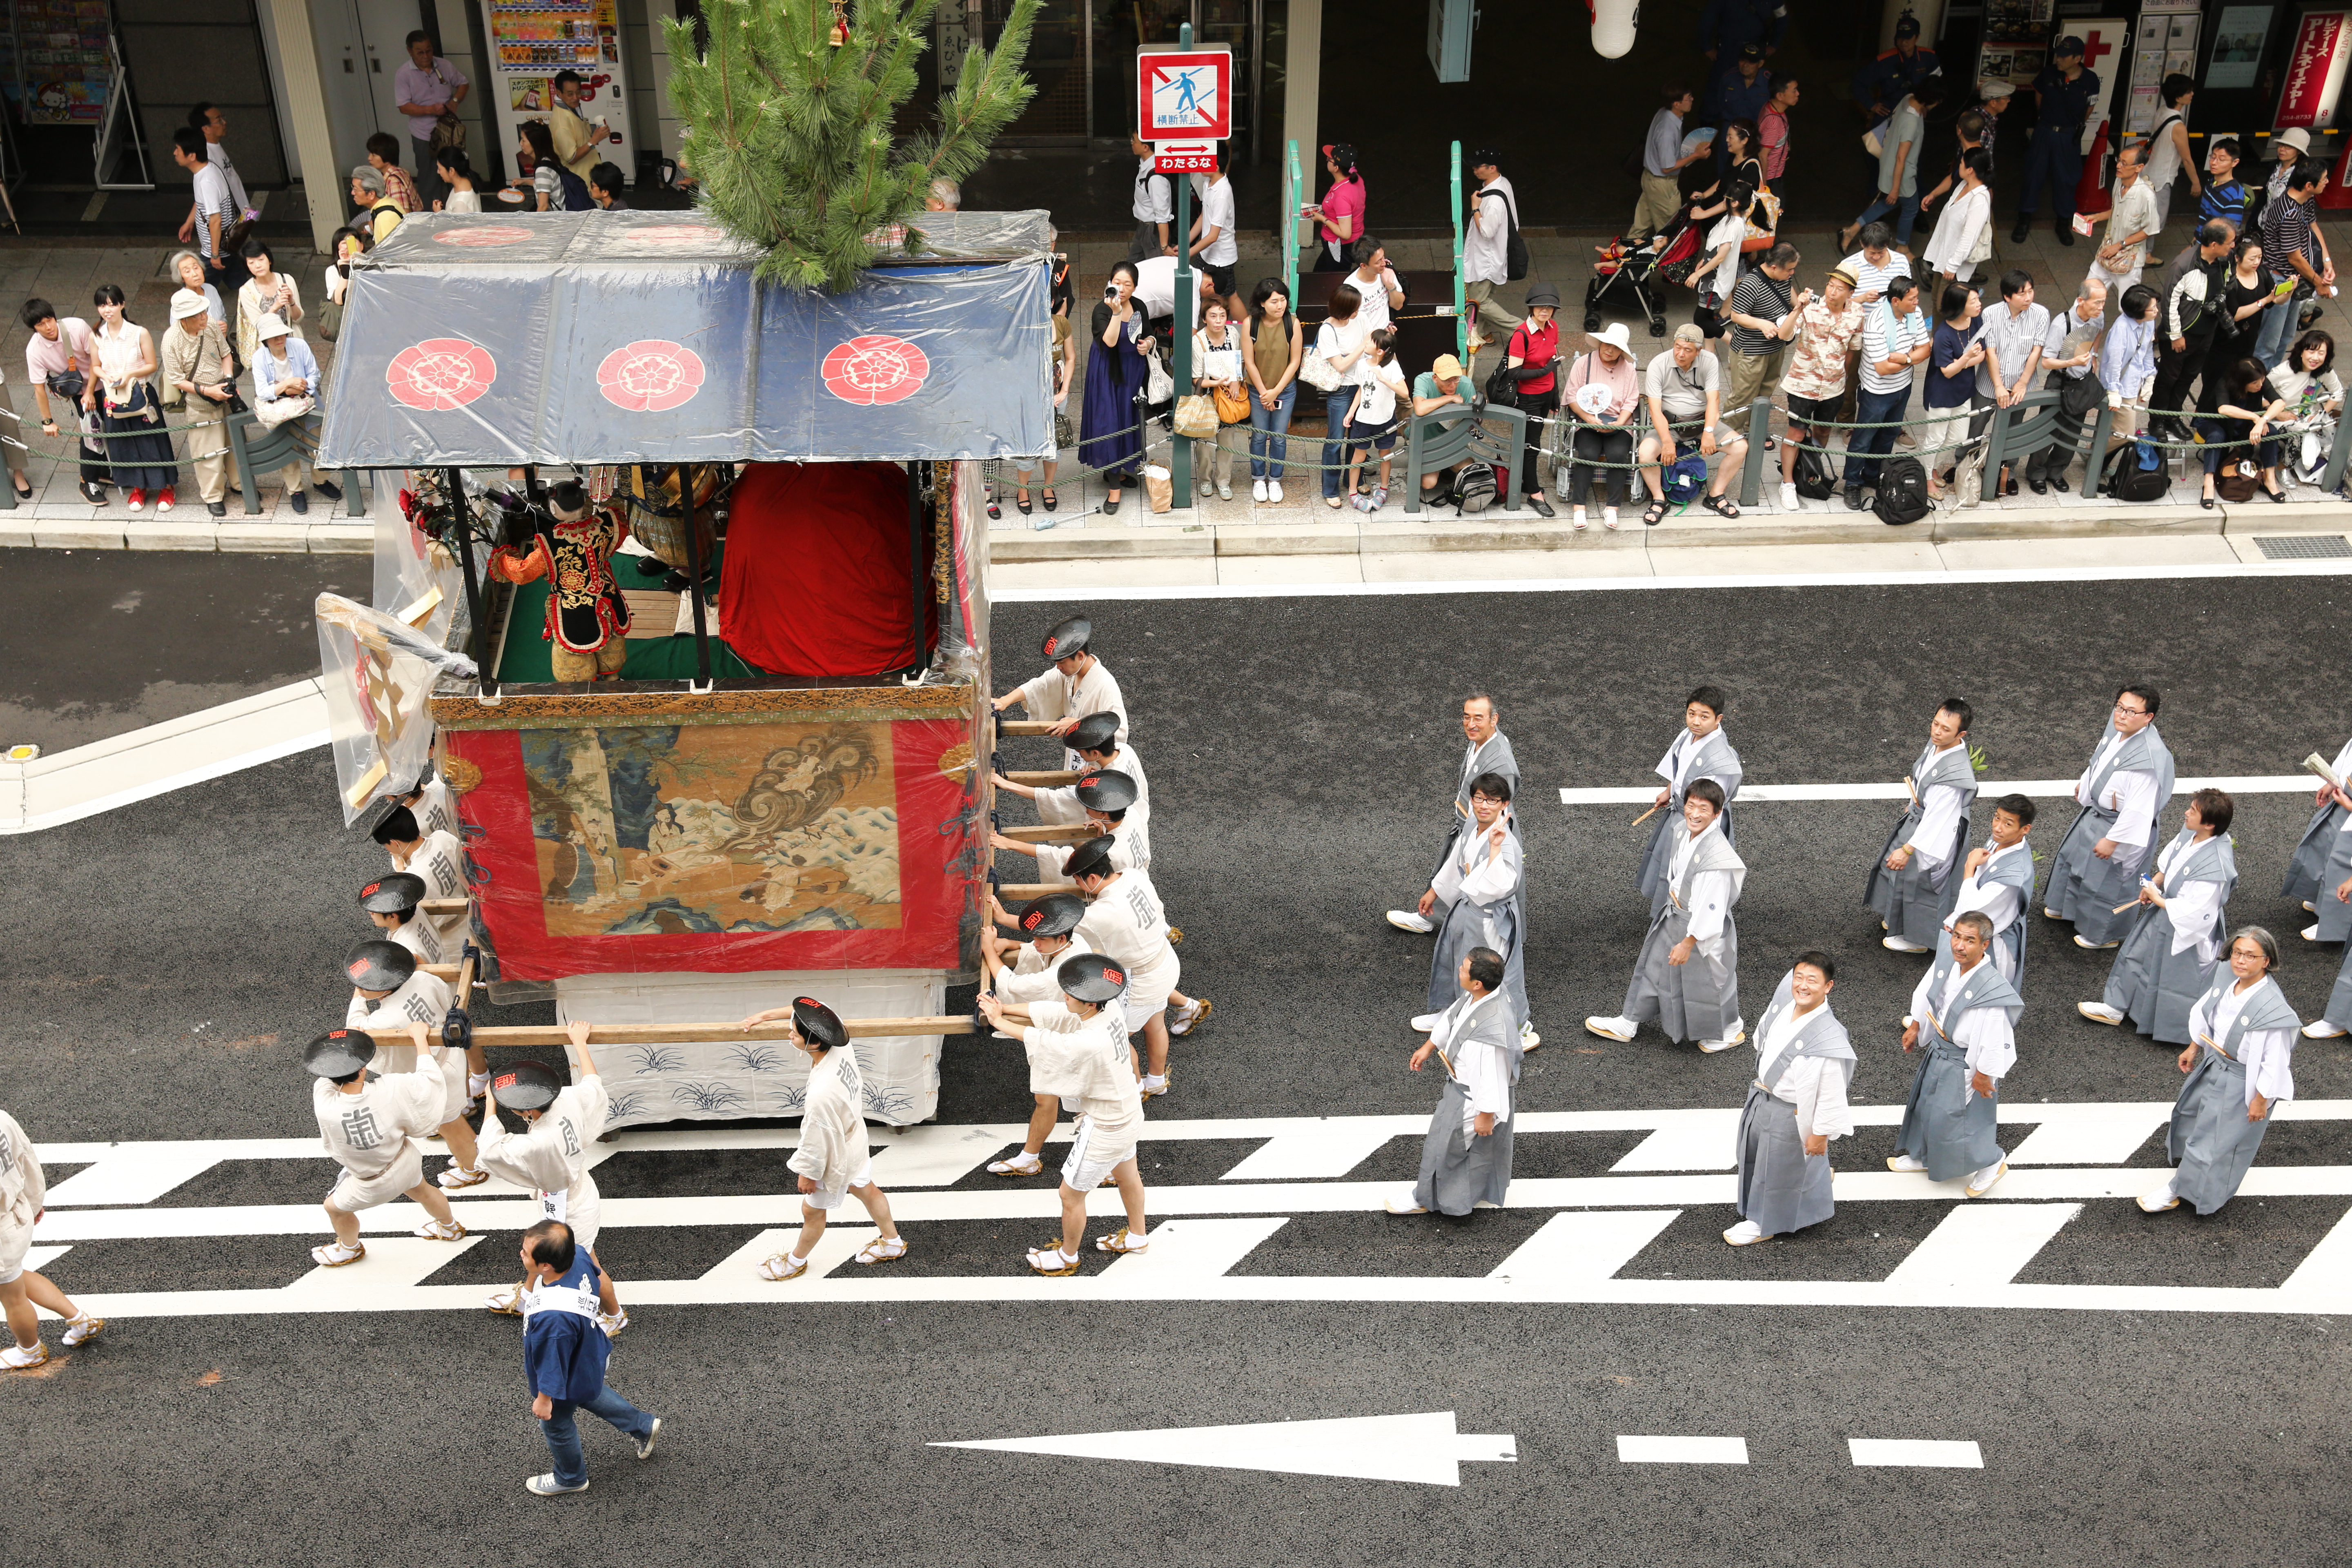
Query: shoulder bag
1316	371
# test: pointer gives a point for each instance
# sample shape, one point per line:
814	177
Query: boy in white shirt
371	1126
1371	418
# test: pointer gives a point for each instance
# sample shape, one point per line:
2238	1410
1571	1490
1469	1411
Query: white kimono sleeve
2268	1055
1917	1012
1710	905
1997	901
1486	1080
2134	794
1497	876
1990	1042
1817	1086
2196	913
1040	696
1059	807
1034	978
1932	841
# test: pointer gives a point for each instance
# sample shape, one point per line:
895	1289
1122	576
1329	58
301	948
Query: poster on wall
2106	43
2238	38
2314	71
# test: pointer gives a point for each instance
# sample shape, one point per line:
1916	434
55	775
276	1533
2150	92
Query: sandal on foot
1722	506
993	514
336	1255
1654	514
507	1302
1021	1164
435	1230
1120	1240
23	1358
883	1249
1051	1260
1021	503
1189	1018
783	1266
82	1329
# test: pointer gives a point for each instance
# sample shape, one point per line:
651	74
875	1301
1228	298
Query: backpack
2139	473
1473	489
1901	492
1813	479
576	198
1684	480
1514	248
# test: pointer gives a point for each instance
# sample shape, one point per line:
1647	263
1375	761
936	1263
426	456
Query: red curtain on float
818	574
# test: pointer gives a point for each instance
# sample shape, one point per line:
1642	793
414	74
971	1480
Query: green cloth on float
526	655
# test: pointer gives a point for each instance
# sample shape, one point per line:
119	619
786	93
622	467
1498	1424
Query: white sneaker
1207	489
1224	490
1412	921
1907	1164
1612	1029
1426	1021
1788	503
1981	1183
1404	1205
545	1486
1528	1038
2321	1029
1747	1233
1896	945
1274	491
1258	489
2099	1012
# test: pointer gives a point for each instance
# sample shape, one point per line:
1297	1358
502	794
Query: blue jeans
1335	447
1268	443
1907	213
564	1437
1867	446
2277	332
2055	156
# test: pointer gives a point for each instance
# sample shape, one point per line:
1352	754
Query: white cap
187	302
1616	336
1993	88
267	326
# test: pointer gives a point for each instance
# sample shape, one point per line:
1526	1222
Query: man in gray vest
1911	883
1964	1016
1686	980
1489	752
2111	843
1465	1159
1796	1104
2070	353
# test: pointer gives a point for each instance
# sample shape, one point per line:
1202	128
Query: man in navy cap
1077	685
1879	86
371	1125
2064	94
563	1357
1739	93
834	1159
1726	24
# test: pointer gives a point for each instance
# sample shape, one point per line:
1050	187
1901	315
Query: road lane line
1982	1243
1572	1247
1920	1452
1682	1450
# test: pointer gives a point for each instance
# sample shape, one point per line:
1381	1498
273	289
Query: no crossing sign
1184	157
1184	95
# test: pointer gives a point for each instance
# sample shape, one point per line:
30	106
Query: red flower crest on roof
440	373
875	370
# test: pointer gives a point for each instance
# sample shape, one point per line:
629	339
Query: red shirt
1529	346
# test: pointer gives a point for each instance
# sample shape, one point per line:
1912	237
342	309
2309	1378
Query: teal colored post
1294	197
1461	300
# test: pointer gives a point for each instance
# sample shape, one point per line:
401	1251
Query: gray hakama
2013	869
2149	983
1914	902
2211	1139
2085	889
1699	1000
2335	914
1712	758
2339	1000
1782	1187
2323	845
1459	1170
1499	922
1945	1123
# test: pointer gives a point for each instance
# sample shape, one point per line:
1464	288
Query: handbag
1196	416
1233	407
281	410
1158	386
1319	372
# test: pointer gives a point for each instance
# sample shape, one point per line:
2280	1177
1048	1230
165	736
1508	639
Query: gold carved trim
539	708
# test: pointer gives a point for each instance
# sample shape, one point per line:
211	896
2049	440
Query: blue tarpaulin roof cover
490	339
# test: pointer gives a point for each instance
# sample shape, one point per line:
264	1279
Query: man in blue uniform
563	1353
2063	95
1739	94
1879	86
1726	24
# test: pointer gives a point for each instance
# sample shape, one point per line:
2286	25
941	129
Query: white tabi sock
1155	1080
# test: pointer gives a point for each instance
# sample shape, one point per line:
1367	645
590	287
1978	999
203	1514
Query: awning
491	340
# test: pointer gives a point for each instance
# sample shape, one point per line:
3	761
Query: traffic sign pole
1188	294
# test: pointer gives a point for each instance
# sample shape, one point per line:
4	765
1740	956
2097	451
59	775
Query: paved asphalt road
167	959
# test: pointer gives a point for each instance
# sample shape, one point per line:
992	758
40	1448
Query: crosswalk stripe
1682	1450
1921	1452
1584	1246
1982	1243
1751	794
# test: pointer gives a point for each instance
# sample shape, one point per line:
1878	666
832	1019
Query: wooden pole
1046	779
1074	835
1025	726
547	1036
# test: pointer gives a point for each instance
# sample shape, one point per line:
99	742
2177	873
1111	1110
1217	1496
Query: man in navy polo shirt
2064	96
564	1355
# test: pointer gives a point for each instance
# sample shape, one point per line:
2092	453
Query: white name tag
552	1204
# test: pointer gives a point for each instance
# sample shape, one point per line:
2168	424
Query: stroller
1638	271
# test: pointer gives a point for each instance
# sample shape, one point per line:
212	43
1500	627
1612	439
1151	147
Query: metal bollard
2339	450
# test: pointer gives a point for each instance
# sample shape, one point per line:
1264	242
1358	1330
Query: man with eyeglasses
2112	842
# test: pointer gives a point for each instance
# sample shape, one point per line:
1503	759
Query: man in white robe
834	1159
1101	748
1488	751
1703	750
1465	1159
1997	882
429	801
23	1190
1018	974
389	993
370	1125
1686	979
2168	953
1907	881
1963	1019
551	1157
1127	923
1478	899
2112	842
438	859
390	904
1077	685
1077	1050
1109	801
1796	1103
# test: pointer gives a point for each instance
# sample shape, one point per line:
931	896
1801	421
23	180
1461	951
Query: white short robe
417	935
1033	977
833	1151
1086	1062
369	1132
1050	695
1131	850
23	1190
1058	807
551	1155
421	999
1127	924
435	811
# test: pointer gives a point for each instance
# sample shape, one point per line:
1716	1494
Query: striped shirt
2287	233
1885	335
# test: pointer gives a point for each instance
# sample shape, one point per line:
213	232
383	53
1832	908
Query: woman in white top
1217	367
122	395
1966	222
265	292
457	174
2239	1062
1341	340
1719	275
2307	382
2167	148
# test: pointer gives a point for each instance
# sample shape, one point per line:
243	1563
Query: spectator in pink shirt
1339	216
1774	128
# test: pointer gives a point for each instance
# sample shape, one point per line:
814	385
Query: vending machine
531	40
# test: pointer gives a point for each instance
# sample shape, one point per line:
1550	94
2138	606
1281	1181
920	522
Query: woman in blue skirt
1109	433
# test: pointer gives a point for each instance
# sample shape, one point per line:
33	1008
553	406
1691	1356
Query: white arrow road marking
1982	1243
1424	1450
1752	794
1574	1248
1682	1450
1920	1452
